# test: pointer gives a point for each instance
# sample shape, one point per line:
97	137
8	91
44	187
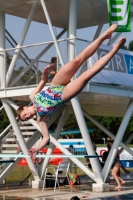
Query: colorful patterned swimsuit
47	101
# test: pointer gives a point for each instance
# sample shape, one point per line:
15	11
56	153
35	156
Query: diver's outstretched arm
43	81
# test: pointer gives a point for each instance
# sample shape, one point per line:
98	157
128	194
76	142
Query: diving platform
96	99
109	93
90	13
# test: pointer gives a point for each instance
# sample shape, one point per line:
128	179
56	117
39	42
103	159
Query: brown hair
19	110
54	60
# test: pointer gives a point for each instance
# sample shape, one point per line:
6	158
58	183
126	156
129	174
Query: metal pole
87	140
4	74
35	60
119	136
2	46
98	31
127	142
56	136
66	152
52	31
72	28
37	81
57	144
106	131
75	102
18	50
20	138
73	4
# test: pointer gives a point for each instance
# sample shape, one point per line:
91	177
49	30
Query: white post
126	143
87	140
72	28
118	138
104	141
57	144
106	131
98	31
72	3
18	49
75	102
2	47
37	81
4	72
20	138
52	31
35	60
56	136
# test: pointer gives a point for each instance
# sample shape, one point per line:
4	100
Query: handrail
42	43
2	135
6	129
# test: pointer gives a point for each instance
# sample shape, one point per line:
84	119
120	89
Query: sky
15	26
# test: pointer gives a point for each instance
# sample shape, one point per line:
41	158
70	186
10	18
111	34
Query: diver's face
27	113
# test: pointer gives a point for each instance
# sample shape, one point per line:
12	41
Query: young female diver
61	89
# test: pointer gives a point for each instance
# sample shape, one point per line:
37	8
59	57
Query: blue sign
129	63
127	163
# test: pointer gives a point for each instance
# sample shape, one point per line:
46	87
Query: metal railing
33	58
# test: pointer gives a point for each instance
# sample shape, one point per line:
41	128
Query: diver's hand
45	73
33	153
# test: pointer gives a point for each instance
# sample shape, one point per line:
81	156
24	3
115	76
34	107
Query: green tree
27	76
4	121
130	46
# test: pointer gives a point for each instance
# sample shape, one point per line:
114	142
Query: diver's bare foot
120	42
118	187
107	34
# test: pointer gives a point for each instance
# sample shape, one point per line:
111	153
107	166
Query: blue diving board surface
72	132
78	144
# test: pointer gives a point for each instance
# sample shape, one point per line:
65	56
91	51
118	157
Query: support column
94	121
18	49
87	140
98	31
2	47
126	143
52	31
56	136
72	28
118	138
75	102
35	60
57	144
21	142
